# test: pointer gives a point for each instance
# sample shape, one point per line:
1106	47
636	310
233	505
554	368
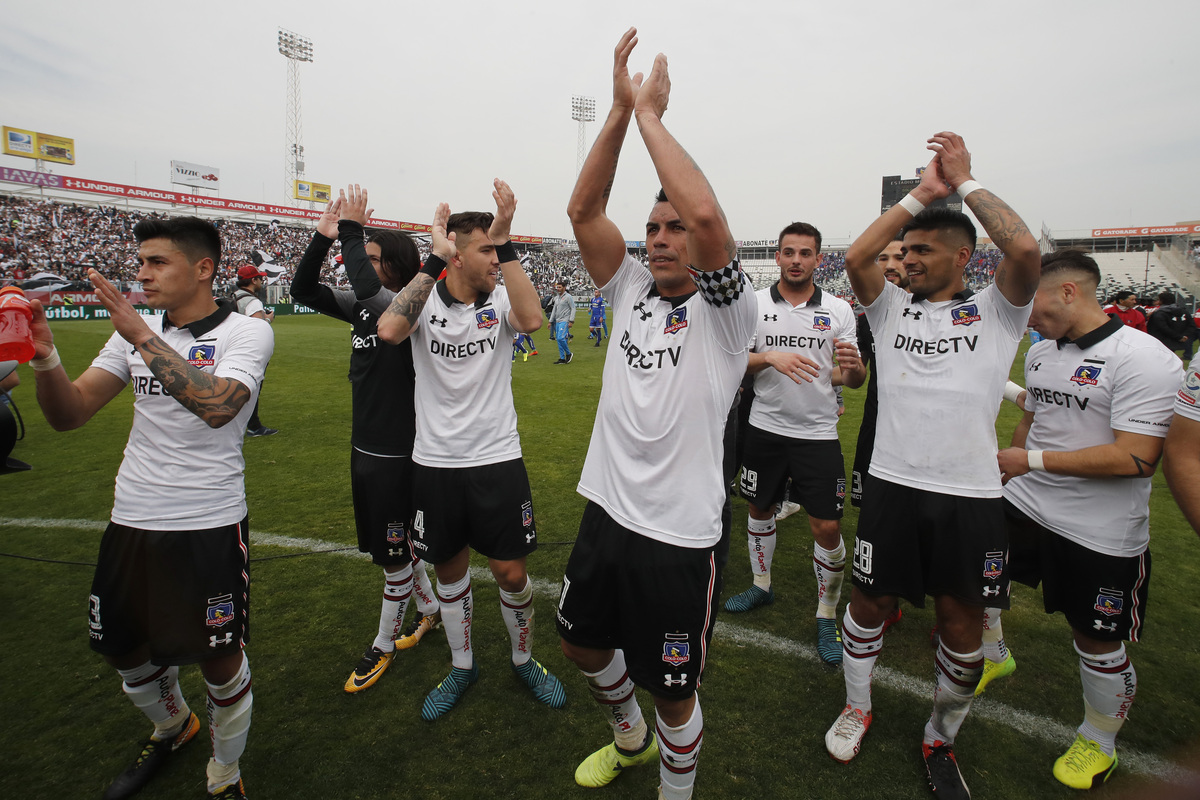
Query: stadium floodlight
583	111
296	49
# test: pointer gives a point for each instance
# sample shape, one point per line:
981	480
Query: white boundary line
1023	722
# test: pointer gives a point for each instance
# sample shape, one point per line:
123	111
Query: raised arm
526	312
306	283
1018	274
397	322
865	276
215	400
601	244
352	223
710	244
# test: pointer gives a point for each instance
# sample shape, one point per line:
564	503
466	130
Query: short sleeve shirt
654	461
178	473
1115	378
799	410
1187	399
942	368
462	354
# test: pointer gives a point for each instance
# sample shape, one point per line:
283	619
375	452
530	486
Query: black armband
506	252
433	266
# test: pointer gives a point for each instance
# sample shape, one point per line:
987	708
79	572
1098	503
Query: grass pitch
767	702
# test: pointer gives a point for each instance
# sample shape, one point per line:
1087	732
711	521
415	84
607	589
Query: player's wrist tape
46	364
506	252
433	266
966	187
1012	391
1035	460
911	204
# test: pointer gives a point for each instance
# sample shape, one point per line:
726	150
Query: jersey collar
675	301
201	326
1095	336
449	299
815	300
960	297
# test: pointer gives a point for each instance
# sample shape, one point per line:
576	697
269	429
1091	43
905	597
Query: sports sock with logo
517	611
830	567
397	588
229	712
678	750
761	541
457	605
860	649
994	649
613	690
427	602
1109	687
957	676
155	690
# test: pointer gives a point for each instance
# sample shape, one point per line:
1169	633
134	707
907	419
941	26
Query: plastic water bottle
16	340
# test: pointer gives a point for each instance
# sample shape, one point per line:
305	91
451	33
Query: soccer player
470	487
803	334
640	593
172	580
932	520
597	323
1077	490
1181	454
383	415
562	318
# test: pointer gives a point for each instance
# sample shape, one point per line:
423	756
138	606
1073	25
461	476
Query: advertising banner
317	192
30	144
1153	230
198	175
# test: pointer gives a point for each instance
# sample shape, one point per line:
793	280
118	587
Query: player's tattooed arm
397	322
214	399
1022	259
1131	455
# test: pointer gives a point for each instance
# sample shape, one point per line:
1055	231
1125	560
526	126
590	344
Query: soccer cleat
370	669
942	769
750	599
845	737
526	358
155	753
447	693
560	361
261	431
545	687
232	791
569	357
1084	765
893	618
993	670
534	353
829	641
786	509
601	767
417	628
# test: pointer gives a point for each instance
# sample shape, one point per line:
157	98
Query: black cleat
154	754
945	779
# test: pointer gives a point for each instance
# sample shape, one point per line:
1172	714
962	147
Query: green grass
69	730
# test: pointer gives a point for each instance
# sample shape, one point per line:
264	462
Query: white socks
678	750
517	611
761	542
457	605
1109	687
155	690
957	676
829	567
229	708
994	649
397	588
860	648
613	690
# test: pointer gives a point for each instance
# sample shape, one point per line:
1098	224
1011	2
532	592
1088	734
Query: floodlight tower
583	110
295	48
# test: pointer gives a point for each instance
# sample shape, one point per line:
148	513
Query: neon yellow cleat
601	767
993	670
1084	765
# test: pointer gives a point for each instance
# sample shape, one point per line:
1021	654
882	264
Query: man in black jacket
1172	325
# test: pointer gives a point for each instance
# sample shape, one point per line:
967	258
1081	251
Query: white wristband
1012	391
46	364
911	204
1035	460
966	187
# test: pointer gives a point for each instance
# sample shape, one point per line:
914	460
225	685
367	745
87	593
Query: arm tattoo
1142	467
213	399
1005	227
411	300
613	176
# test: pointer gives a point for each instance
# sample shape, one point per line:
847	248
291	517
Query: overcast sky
1079	114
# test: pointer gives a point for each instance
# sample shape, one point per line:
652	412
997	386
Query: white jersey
654	461
1187	400
178	473
942	369
462	354
799	410
1115	378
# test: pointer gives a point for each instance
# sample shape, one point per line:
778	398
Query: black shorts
912	543
382	490
487	508
1102	596
186	594
862	459
655	601
816	467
